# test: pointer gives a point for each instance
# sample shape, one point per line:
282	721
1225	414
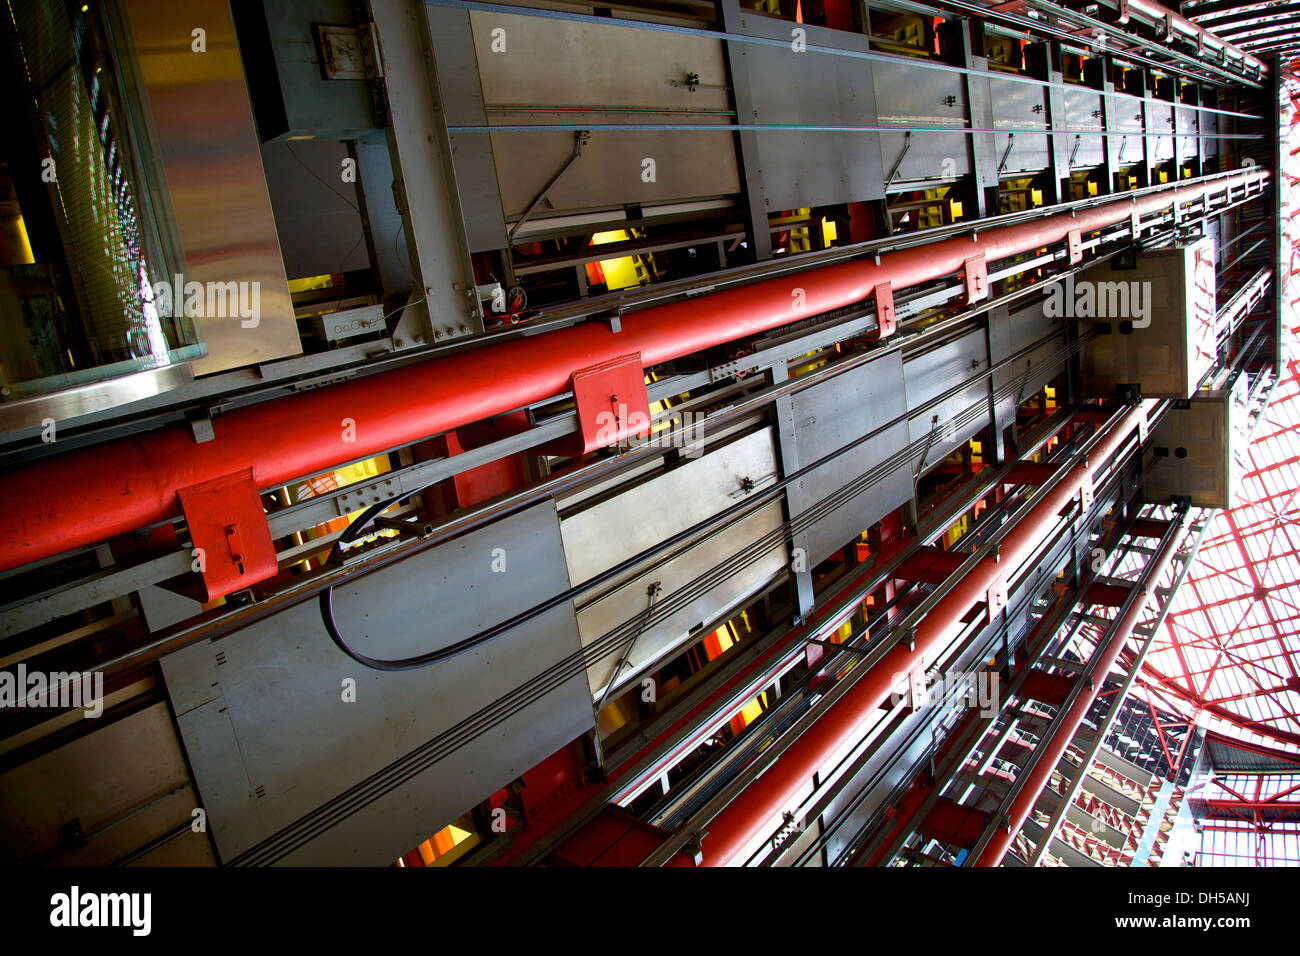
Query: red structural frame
1228	655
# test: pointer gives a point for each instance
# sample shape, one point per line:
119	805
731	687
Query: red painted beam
138	479
848	719
1047	688
1107	595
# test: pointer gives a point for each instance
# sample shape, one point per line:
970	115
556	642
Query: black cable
350	534
712	526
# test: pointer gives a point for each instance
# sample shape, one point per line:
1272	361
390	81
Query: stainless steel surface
914	99
621	525
934	373
812	168
828	417
1169	354
628	76
274	739
1199	444
457	68
317	209
204	126
1020	111
70	403
1083	112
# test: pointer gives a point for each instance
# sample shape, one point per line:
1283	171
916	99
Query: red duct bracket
977	279
1107	595
950	822
229	532
1149	528
1074	241
885	321
930	565
1048	688
611	401
1031	473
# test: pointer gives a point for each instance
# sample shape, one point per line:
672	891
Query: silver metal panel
213	167
1160	119
1083	112
1188	120
70	403
687	165
319	224
1170	347
914	100
1203	431
628	76
282	729
1029	373
827	417
933	373
225	793
534	65
1209	126
126	781
1124	113
614	608
813	168
614	529
1019	110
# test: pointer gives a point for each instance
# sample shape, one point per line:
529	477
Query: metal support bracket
229	532
1006	153
907	144
886	323
977	279
611	402
580	140
1074	241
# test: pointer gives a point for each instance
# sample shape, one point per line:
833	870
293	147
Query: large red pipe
849	718
86	496
1103	660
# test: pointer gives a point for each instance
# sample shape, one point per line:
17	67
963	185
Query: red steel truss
1228	656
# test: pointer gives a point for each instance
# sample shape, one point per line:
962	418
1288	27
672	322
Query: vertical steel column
979	111
751	175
